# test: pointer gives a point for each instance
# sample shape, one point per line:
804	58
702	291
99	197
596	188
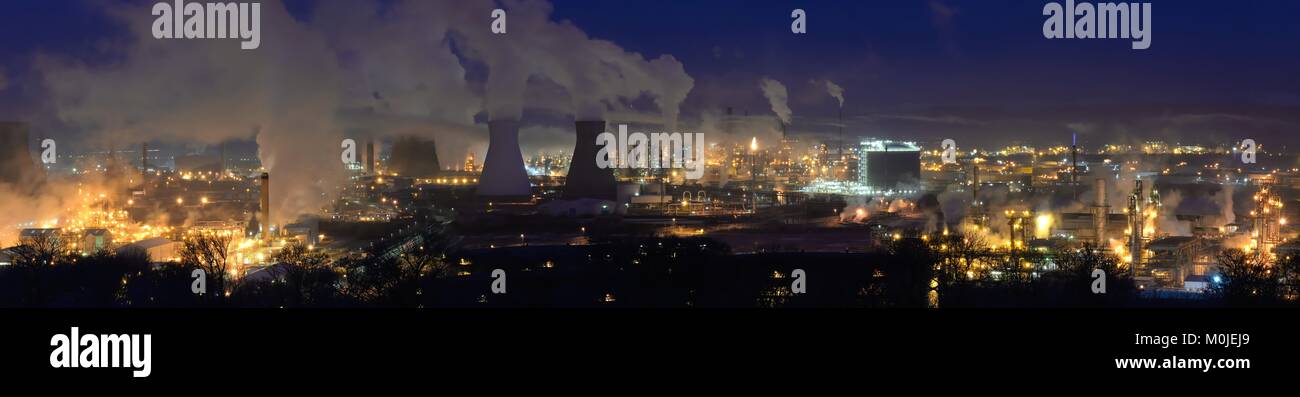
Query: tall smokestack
585	179
1100	212
841	125
264	224
370	156
978	214
144	158
17	166
221	160
1135	218
503	169
1074	164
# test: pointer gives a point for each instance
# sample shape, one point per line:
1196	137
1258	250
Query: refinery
378	191
1165	211
604	173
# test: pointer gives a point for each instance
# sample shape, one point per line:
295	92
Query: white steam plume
835	91
387	69
778	97
208	91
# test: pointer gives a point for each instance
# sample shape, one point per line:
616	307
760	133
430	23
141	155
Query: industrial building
1176	259
159	249
889	165
415	157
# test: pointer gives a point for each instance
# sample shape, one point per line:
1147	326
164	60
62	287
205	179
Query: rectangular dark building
889	165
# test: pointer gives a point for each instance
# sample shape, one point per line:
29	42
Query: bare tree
1288	268
1081	262
34	260
40	250
392	276
1249	277
298	268
208	251
960	252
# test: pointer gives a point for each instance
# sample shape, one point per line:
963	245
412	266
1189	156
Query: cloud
942	119
1196	118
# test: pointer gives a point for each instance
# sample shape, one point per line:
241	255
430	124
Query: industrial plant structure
415	157
504	176
586	179
889	165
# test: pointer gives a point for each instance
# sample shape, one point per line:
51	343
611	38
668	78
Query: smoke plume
778	97
835	91
209	91
348	70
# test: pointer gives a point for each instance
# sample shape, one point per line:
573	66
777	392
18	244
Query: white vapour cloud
401	75
597	74
349	67
208	91
778	97
835	91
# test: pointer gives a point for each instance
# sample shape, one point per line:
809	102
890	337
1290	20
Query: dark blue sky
988	51
909	67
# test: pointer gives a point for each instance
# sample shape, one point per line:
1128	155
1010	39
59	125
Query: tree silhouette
40	249
1248	278
208	251
393	274
1081	262
33	261
304	276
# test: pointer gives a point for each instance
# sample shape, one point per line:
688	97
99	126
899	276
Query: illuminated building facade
889	165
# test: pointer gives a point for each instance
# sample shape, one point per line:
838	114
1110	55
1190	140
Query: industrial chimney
370	156
264	224
585	179
504	176
144	158
1135	224
1100	211
17	167
1074	164
414	156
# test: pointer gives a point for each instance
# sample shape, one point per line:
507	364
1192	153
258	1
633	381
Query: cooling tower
585	179
17	166
415	157
504	176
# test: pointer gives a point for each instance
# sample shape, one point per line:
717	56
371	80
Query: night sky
1216	71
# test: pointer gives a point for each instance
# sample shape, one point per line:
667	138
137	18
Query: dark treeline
421	269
